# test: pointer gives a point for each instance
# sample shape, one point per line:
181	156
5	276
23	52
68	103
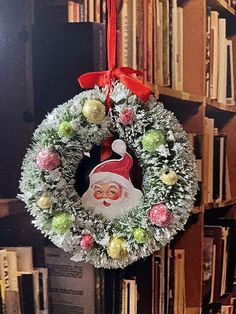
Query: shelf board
180	95
222	6
219	106
197	210
10	207
220	204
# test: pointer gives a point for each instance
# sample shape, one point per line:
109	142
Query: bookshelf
195	108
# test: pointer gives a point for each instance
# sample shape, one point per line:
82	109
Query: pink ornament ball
86	241
48	160
160	215
126	116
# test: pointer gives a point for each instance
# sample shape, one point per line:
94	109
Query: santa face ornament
111	191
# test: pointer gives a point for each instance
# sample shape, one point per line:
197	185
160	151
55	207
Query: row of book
87	11
232	3
219	259
155	285
151	39
23	289
216	164
219	60
149	36
216	170
62	286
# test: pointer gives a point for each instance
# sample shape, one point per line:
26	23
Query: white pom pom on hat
119	147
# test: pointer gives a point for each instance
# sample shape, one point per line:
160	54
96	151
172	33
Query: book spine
99	47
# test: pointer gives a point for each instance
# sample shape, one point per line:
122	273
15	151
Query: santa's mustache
108	200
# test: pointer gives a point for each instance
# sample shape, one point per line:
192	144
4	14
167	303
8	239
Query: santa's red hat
116	170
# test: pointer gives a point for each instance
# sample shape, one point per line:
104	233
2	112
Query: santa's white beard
116	208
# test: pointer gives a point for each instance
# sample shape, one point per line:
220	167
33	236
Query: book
174	44
71	284
217	234
13	302
208	50
221	94
24	256
149	48
209	257
12	270
219	168
208	159
229	74
41	290
166	42
179	56
158	42
214	51
179	281
26	292
129	296
140	34
4	274
2	306
196	140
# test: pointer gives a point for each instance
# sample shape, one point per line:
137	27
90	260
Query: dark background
41	57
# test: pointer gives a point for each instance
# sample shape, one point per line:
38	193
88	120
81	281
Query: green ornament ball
140	235
152	140
65	129
61	222
169	177
94	111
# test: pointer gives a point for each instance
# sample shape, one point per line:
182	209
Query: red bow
124	74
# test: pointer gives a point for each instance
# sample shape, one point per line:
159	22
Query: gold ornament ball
116	248
169	177
44	202
94	111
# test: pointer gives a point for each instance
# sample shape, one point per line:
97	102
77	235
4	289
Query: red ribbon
124	74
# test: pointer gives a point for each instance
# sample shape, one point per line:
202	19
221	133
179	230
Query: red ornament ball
86	241
126	116
160	215
48	160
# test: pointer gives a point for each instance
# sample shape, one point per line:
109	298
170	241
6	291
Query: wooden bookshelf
179	95
191	105
223	204
213	104
10	207
223	7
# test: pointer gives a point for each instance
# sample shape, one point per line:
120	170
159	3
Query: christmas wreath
95	232
113	223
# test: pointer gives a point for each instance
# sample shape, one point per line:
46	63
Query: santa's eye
98	192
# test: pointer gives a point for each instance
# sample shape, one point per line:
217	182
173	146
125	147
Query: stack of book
219	66
23	289
218	262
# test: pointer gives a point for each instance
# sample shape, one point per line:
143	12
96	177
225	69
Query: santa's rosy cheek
114	196
98	196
